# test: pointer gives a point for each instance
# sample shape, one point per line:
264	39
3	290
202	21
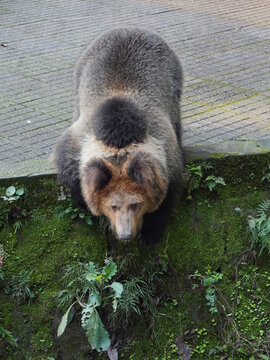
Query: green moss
45	244
205	232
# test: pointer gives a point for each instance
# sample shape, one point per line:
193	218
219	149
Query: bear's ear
97	175
144	170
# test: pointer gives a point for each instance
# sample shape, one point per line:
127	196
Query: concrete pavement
224	47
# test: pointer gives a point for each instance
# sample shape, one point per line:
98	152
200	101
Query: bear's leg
67	162
154	223
76	194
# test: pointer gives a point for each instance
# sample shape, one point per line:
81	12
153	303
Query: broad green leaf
251	223
10	191
211	185
264	357
242	351
87	314
95	299
65	321
91	267
20	191
96	335
114	304
212	181
82	215
118	289
196	170
89	220
8	336
92	274
73	216
109	270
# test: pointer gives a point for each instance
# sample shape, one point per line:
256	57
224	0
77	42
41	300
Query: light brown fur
123	193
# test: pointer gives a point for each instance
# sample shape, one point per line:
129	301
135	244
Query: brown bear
122	156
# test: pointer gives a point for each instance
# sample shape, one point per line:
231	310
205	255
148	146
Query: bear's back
130	60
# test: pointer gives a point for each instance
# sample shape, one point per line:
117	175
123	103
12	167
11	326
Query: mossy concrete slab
207	232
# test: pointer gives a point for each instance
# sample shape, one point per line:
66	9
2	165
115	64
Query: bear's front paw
148	237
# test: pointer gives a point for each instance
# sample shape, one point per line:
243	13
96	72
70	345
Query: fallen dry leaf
112	353
183	349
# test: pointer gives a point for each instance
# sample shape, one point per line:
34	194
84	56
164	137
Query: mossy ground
206	233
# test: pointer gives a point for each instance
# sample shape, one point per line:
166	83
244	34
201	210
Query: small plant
259	226
94	289
97	290
212	181
266	177
136	298
12	194
196	177
250	311
242	322
73	211
9	211
20	286
17	225
7	335
196	174
208	280
4	333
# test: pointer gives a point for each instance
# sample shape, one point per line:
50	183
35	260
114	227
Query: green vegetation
4	333
91	288
201	293
259	226
12	194
7	336
73	211
19	286
208	280
197	179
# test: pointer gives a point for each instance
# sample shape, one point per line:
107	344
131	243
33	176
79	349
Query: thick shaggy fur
126	134
119	123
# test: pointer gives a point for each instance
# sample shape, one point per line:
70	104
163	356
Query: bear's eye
133	207
114	207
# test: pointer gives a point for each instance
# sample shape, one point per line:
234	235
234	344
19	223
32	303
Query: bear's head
124	194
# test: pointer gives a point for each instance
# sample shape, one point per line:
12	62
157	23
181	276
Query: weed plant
10	211
93	288
73	211
241	321
4	333
19	287
259	226
197	178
